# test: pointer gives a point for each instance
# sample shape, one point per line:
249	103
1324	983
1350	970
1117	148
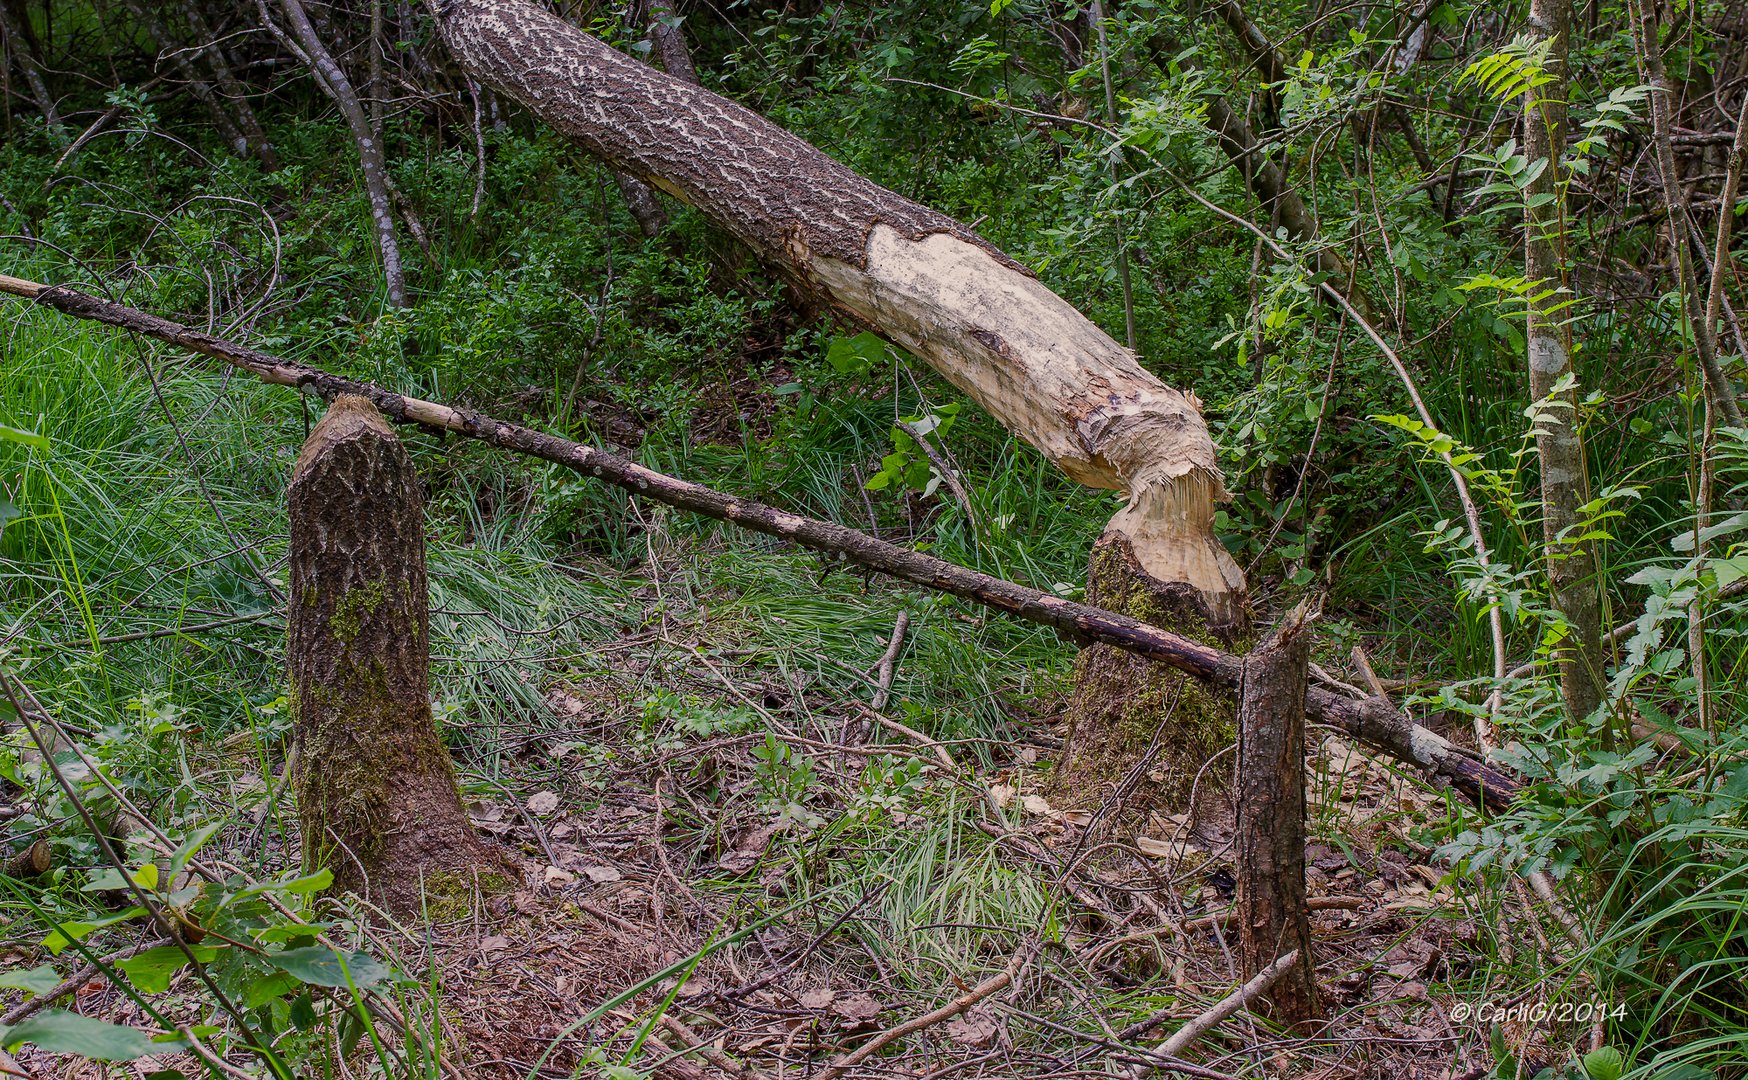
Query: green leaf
68	932
179	858
996	7
855	355
319	965
1604	1063
297	886
275	984
62	1032
152	970
38	980
28	438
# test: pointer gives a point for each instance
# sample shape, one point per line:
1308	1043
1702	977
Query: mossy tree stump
376	789
1139	733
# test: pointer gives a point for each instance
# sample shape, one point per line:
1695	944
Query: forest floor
736	863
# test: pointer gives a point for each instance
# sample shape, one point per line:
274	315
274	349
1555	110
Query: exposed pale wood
1201	1025
914	275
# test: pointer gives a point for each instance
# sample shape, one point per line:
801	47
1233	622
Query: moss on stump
1139	733
377	796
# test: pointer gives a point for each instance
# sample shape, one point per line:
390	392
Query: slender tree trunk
668	41
376	789
1572	583
18	44
375	91
370	150
1648	43
169	47
1272	913
235	92
927	282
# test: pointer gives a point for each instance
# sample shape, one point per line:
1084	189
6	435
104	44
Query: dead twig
1220	919
1226	1006
944	471
888	663
82	975
888	722
710	1053
994	984
9	1066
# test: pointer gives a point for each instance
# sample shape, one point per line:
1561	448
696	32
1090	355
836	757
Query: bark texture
668	45
1272	914
1373	721
236	94
914	275
376	789
1572	583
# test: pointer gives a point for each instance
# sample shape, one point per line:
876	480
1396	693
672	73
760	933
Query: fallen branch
1228	1005
999	981
1374	721
888	663
72	983
31	863
1222	919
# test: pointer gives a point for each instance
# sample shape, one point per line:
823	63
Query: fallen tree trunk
908	272
1374	721
925	281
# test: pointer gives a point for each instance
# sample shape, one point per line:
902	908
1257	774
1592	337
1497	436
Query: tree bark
371	157
1374	721
235	92
913	274
1272	913
668	42
376	790
1572	582
668	45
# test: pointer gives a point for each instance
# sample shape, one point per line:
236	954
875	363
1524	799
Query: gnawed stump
376	789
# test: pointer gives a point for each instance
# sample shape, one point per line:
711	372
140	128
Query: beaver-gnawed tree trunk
1273	918
982	320
1139	733
376	789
